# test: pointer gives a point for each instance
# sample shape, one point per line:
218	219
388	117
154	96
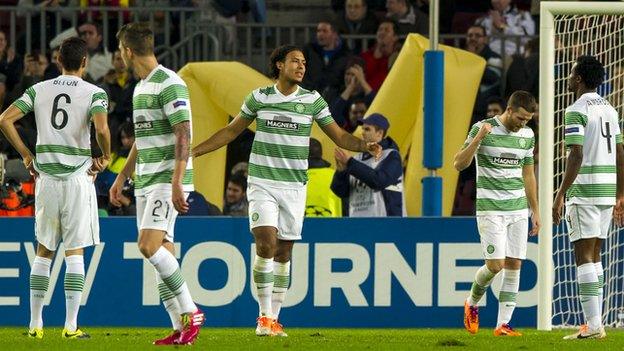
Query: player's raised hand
557	210
374	149
114	194
178	198
618	212
536	223
485	129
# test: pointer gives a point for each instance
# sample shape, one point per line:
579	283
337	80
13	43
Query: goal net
602	35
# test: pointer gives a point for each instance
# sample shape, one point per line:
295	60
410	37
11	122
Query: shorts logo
490	249
255	216
299	108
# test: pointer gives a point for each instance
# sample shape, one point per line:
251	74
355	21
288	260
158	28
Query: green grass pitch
112	339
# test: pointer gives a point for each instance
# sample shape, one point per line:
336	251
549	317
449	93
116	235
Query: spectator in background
326	61
320	202
119	85
496	106
379	58
235	203
10	63
506	19
35	65
490	85
373	5
374	186
356	19
408	18
523	72
112	17
54	69
355	87
241	167
357	110
100	60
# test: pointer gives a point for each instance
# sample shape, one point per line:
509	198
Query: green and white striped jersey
160	101
592	122
63	107
279	155
500	158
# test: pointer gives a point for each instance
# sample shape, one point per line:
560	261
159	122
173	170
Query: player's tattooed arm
182	133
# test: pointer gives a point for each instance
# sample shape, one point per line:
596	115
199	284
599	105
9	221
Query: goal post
568	29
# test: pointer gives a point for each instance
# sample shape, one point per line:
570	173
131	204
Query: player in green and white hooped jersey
506	189
164	173
592	182
276	190
65	200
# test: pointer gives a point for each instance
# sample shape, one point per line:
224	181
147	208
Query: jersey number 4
56	110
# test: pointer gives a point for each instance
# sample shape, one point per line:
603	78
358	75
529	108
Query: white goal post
579	25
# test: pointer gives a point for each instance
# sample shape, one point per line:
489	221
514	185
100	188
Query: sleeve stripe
575	118
22	106
97	109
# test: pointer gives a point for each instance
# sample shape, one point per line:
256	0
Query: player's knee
495	266
265	249
147	249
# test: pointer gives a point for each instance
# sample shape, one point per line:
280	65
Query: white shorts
281	208
588	221
155	211
66	209
503	236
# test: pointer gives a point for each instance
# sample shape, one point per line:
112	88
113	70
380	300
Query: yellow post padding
217	90
400	99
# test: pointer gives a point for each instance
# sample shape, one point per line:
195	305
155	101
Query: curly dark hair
279	55
590	70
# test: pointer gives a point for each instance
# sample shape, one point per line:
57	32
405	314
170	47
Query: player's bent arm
102	133
7	125
619	165
343	139
530	187
182	132
222	137
464	157
573	165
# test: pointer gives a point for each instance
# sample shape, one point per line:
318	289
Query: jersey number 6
56	110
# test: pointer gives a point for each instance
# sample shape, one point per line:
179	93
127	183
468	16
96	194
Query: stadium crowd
347	77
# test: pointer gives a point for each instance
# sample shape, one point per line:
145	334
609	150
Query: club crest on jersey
522	143
299	108
506	159
282	122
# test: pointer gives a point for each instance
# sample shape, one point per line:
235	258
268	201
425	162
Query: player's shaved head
138	37
590	70
72	53
522	99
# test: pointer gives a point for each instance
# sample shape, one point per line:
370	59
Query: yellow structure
217	90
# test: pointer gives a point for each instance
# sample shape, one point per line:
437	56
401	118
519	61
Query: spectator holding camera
373	186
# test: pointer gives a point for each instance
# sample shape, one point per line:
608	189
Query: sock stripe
39	282
164	292
174	281
477	291
506	296
74	282
263	277
281	281
590	289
